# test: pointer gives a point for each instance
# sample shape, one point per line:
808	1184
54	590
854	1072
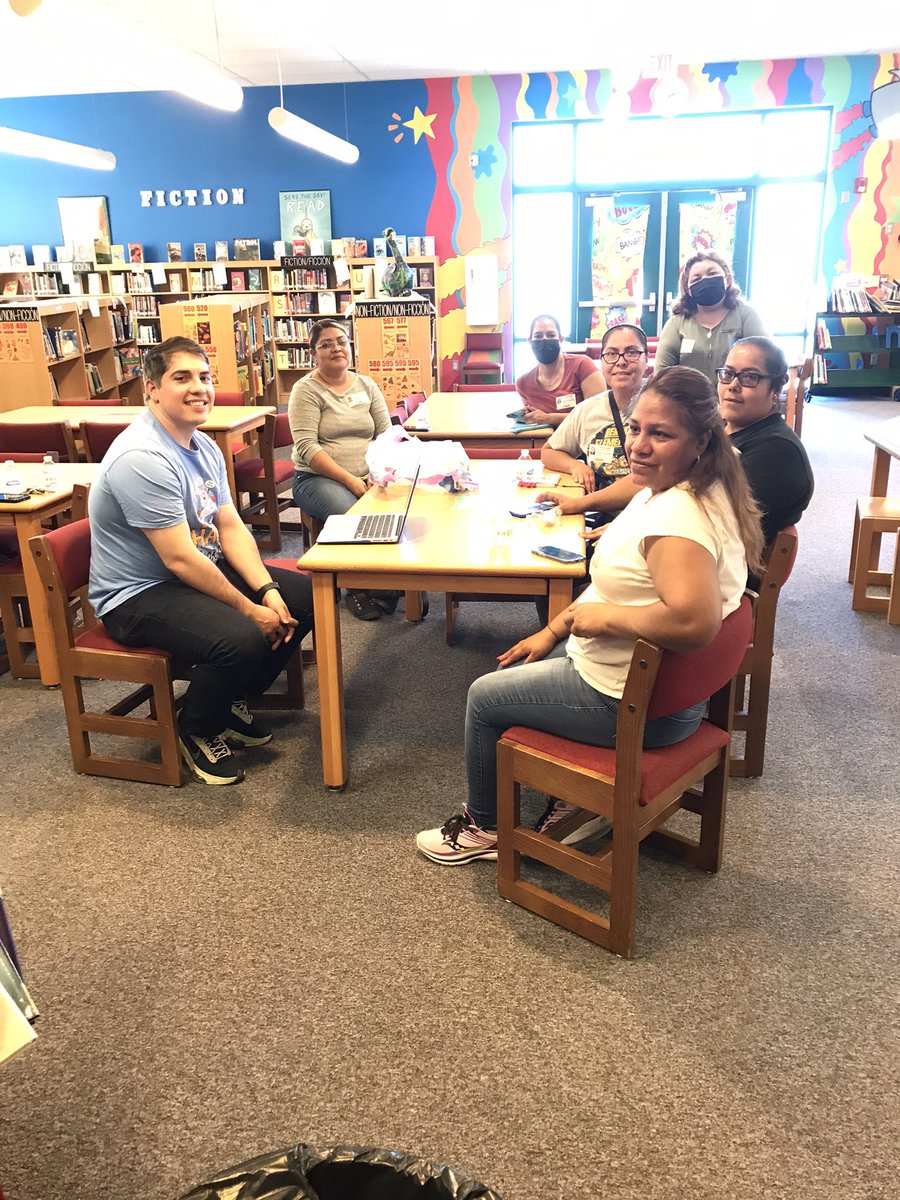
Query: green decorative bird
397	279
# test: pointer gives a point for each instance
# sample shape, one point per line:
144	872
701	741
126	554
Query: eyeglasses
545	337
747	379
632	354
341	341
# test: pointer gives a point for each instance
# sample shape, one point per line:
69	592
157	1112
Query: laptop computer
351	529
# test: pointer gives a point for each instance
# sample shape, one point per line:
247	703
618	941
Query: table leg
28	525
330	671
881	469
559	596
223	440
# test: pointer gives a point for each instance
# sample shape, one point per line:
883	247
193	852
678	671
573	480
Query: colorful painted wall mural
435	159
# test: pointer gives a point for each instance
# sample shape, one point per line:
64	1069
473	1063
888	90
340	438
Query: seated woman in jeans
669	568
335	414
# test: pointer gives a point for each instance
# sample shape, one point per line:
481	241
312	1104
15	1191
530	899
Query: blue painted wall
164	141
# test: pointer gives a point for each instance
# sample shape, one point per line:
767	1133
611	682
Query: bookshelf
70	350
856	350
236	334
303	289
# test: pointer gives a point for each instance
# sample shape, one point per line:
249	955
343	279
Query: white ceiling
85	46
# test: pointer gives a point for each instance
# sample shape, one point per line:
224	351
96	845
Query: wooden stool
875	515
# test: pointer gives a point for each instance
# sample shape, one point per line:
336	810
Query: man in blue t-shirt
174	566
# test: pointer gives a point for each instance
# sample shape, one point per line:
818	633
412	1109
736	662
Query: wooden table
448	545
28	518
225	422
477	419
886	440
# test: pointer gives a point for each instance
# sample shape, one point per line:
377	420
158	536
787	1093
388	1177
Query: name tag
356	398
564	402
603	454
687	345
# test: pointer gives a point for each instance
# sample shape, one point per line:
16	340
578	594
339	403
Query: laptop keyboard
375	526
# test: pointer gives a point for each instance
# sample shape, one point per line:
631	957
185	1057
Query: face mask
708	292
546	351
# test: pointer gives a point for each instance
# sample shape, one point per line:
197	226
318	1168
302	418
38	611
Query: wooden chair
15	616
265	479
62	557
751	713
637	789
482	358
795	395
98	436
875	516
485	387
39	437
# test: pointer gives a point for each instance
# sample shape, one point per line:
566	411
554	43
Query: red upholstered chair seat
248	470
98	639
660	768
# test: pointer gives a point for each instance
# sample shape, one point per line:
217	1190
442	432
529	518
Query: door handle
650	302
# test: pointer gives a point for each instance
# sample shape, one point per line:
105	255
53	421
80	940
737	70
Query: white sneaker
459	840
557	811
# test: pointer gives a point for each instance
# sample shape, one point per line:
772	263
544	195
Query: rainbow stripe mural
471	207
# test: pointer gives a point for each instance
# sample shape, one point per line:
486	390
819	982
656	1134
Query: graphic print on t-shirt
605	455
206	536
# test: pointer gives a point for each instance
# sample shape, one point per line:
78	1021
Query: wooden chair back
485	387
98	436
751	714
39	437
90	402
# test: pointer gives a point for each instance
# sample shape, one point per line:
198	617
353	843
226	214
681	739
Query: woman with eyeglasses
708	317
773	457
590	443
559	381
334	415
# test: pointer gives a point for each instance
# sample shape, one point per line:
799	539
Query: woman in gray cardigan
335	414
707	318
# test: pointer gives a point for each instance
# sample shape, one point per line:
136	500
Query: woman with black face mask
551	390
707	318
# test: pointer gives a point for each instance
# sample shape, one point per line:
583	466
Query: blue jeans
551	696
320	496
229	657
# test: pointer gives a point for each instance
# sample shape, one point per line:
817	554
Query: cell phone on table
13	497
528	509
518	415
558	554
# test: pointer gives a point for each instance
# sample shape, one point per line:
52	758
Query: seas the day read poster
305	215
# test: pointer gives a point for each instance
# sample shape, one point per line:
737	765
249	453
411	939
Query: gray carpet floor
222	972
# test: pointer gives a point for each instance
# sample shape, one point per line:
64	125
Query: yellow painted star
420	124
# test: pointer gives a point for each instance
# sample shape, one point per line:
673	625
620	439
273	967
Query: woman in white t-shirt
669	568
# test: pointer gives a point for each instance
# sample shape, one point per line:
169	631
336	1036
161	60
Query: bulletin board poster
305	215
15	343
198	327
617	263
394	349
707	225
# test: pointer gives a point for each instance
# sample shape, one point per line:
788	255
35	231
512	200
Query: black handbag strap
617	417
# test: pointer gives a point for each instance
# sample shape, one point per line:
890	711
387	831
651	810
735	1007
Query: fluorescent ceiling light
311	136
33	145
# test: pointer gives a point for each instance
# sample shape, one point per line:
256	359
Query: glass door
631	247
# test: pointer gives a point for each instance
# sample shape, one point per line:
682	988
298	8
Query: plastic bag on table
394	455
365	1173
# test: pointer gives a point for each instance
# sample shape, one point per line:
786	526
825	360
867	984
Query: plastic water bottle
49	475
12	480
525	467
423	420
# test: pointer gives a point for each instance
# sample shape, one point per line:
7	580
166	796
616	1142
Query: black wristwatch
266	587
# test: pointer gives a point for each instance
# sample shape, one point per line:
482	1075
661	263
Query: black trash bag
340	1173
